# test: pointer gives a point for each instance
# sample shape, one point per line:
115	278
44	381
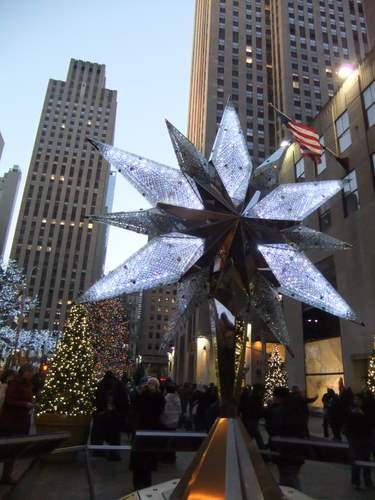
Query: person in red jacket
16	412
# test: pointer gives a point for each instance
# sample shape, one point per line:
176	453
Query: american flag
306	137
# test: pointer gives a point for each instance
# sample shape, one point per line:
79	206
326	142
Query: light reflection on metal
228	466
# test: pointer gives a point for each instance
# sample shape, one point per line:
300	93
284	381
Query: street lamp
284	143
345	70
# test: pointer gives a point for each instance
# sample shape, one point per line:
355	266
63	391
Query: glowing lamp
345	70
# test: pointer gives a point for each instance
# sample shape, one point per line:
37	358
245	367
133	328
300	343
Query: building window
369	102
351	197
299	168
325	217
343	132
373	164
323	159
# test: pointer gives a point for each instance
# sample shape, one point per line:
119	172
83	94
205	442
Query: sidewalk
321	481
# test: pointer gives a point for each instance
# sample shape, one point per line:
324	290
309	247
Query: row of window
344	140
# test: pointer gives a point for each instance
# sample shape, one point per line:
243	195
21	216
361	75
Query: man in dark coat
251	409
358	429
327	400
286	418
149	405
15	414
112	407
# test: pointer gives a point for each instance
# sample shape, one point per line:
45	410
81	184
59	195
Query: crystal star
221	230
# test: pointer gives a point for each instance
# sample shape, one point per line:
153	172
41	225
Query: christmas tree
110	337
70	383
276	375
371	371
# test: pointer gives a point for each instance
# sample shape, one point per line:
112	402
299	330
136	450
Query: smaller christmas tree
276	375
371	371
70	384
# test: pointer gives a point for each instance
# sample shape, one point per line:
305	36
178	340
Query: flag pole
343	162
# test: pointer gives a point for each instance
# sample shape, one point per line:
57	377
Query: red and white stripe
307	138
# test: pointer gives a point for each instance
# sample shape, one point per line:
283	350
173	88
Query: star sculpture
221	230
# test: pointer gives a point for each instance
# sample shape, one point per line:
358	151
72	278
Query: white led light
300	279
231	157
200	222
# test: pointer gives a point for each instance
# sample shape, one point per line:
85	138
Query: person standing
358	429
251	409
5	378
170	418
172	409
149	405
327	401
300	400
112	408
15	416
286	418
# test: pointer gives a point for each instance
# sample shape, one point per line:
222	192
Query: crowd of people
155	406
352	415
121	407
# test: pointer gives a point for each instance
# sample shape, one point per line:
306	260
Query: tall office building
232	56
1	145
61	252
260	51
9	183
132	304
158	307
312	39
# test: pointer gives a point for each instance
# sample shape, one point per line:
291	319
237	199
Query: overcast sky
146	47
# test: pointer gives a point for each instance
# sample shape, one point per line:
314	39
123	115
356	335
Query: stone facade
61	252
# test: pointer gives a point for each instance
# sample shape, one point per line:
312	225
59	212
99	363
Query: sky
146	46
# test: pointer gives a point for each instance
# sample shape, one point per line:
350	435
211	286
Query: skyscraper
232	56
312	39
1	145
9	183
261	51
61	252
158	307
285	52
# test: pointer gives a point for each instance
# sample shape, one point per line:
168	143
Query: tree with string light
276	375
70	384
110	336
14	300
371	371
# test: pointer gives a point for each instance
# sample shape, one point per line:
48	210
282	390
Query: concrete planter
78	426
